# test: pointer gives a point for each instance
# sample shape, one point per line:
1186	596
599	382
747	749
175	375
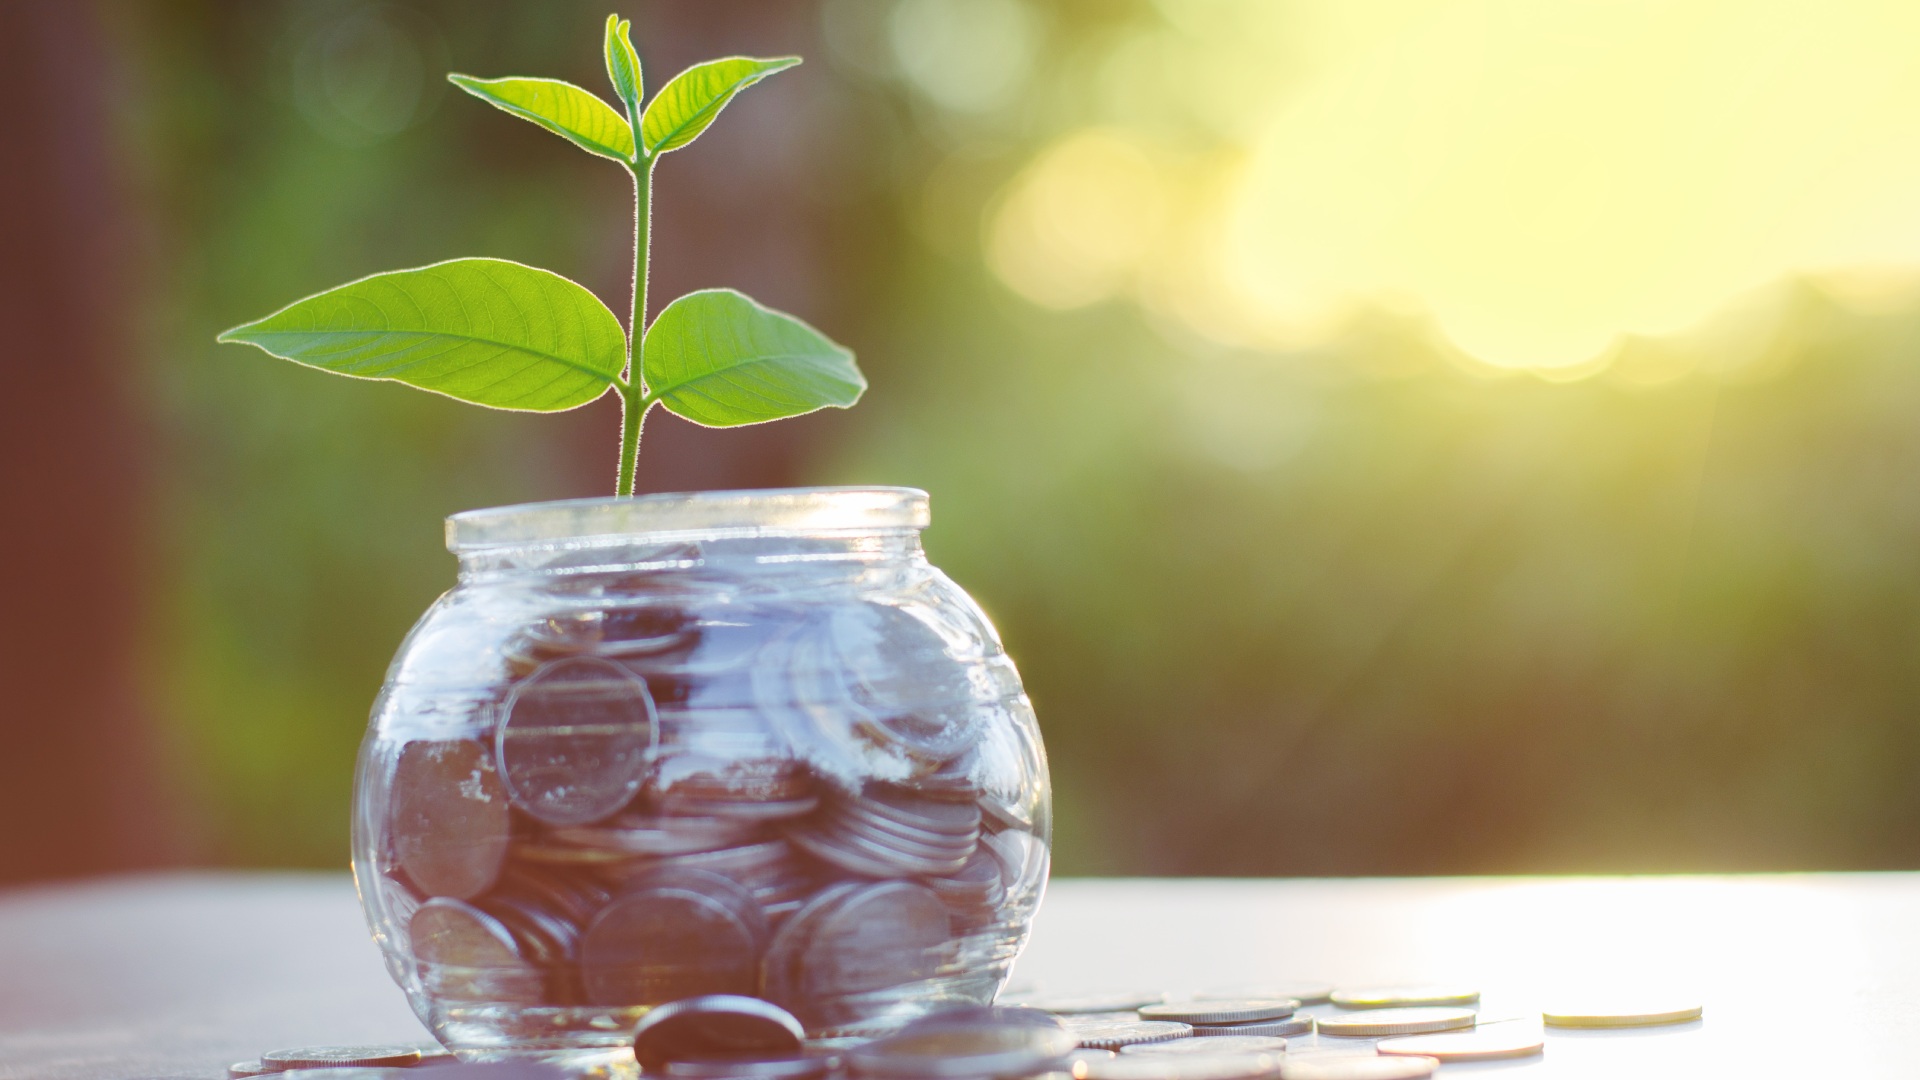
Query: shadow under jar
730	742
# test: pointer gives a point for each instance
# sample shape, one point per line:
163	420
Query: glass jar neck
734	532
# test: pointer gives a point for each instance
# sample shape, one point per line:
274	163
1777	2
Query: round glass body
729	742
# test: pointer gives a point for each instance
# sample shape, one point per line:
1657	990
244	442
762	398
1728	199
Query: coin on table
247	1068
1118	1001
1306	993
1489	1043
331	1057
1625	1011
964	1049
675	934
1409	1021
1229	1044
1181	1067
1400	997
1357	1067
449	820
715	1026
350	1072
346	1073
575	739
1225	1011
801	1066
1298	1024
1114	1034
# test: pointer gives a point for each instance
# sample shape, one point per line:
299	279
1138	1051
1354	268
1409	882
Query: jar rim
752	512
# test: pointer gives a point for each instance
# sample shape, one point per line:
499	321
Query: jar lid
769	512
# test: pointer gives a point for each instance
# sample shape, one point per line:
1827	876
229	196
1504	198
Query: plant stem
633	395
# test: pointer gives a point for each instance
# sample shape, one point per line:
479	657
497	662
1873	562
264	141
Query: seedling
510	336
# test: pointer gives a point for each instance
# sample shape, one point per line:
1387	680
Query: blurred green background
1347	604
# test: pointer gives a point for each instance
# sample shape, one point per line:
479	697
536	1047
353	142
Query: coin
247	1068
672	935
634	833
466	954
350	1072
1226	1011
1298	1024
449	818
329	1057
1357	1067
1397	997
804	1066
1406	1021
1180	1067
1114	1034
836	959
574	740
346	1073
879	936
962	1049
1121	1001
1482	1044
1624	1012
1223	1044
715	1026
1306	993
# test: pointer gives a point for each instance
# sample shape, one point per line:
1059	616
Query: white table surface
1804	976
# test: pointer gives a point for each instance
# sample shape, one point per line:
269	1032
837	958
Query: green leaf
623	64
560	107
488	331
684	107
717	358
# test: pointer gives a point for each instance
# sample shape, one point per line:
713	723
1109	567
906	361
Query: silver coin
936	1048
1489	1043
1413	1020
328	1057
1226	1044
1114	1034
1357	1067
674	935
347	1072
805	1066
449	817
781	966
908	811
1243	1010
575	739
466	954
1306	993
240	1069
648	834
1400	997
1298	1024
879	936
1182	1067
1117	1001
715	1026
978	884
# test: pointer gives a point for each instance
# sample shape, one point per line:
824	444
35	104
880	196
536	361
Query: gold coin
1483	1044
1399	997
1413	1021
1624	1012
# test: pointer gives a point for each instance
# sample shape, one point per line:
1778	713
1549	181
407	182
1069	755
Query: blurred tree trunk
79	781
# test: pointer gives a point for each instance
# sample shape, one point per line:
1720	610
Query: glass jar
730	742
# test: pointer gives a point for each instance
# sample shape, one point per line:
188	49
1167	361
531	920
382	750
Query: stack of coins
818	807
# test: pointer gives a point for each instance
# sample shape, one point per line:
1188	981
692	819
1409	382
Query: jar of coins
731	742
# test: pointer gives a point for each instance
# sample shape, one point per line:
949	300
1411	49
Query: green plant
509	336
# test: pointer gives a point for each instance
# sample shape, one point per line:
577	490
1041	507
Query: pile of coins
814	806
1381	1033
